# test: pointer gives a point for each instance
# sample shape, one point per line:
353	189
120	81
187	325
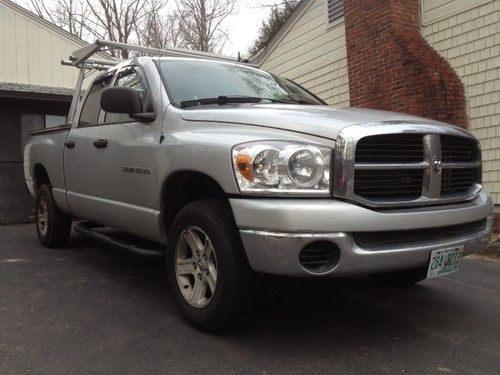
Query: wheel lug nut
199	276
206	272
204	257
194	265
197	253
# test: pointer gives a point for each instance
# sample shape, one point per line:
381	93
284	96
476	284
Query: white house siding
313	54
31	51
467	34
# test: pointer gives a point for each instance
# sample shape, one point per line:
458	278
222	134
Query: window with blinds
335	10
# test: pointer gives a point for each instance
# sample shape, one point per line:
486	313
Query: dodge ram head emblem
436	167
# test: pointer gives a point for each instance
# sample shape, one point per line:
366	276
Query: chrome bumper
274	231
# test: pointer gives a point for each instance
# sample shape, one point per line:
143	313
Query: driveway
88	308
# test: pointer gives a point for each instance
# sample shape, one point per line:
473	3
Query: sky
242	26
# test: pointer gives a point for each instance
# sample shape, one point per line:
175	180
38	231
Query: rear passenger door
122	151
79	152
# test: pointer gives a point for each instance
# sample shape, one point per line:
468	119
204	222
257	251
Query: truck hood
318	120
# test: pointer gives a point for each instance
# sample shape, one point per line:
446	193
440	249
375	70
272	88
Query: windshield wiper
289	101
221	100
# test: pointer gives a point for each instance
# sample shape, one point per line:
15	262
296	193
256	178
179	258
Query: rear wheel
401	278
209	275
52	225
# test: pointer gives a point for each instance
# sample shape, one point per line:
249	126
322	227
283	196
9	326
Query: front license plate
444	262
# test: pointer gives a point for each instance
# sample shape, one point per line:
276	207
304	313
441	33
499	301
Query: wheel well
41	176
185	187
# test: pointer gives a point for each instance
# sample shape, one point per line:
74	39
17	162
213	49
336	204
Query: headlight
282	167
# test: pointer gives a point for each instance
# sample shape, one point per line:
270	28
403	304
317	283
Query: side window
92	106
132	78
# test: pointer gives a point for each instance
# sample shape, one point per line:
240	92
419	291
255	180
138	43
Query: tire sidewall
223	243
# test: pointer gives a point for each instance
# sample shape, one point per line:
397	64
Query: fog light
319	256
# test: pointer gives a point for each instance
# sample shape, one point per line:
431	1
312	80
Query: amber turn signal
244	165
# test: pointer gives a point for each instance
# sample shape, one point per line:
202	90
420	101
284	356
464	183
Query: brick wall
469	38
392	67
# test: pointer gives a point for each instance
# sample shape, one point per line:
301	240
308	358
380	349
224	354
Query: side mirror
121	100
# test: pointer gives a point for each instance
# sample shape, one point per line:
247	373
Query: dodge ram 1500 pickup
233	172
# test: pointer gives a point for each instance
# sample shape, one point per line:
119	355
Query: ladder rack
82	59
84	53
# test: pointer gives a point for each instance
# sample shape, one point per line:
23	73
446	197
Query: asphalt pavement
88	308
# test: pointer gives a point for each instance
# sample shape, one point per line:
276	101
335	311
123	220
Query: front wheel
208	273
52	225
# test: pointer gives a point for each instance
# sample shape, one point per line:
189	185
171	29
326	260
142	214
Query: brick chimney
392	67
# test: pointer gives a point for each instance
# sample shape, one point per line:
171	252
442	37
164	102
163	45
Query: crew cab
231	172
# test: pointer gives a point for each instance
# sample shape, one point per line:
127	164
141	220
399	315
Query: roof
280	34
25	90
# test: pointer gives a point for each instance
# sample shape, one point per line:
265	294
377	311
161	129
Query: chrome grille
388	164
391	184
390	147
458	149
458	181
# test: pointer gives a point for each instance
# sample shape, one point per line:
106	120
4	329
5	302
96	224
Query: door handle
101	143
69	144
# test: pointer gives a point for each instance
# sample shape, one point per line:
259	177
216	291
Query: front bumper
274	231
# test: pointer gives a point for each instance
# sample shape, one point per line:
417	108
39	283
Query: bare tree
160	28
200	23
116	20
67	14
196	24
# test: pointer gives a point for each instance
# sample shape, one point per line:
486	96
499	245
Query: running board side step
128	243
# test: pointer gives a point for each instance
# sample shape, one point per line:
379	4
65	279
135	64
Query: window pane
92	106
190	80
130	78
52	121
133	80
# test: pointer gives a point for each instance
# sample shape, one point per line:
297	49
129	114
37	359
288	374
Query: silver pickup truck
236	172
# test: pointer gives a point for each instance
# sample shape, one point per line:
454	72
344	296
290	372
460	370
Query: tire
401	278
230	300
52	225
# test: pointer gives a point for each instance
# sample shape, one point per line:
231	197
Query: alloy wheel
42	217
196	267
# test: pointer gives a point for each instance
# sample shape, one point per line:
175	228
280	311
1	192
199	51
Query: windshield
192	80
